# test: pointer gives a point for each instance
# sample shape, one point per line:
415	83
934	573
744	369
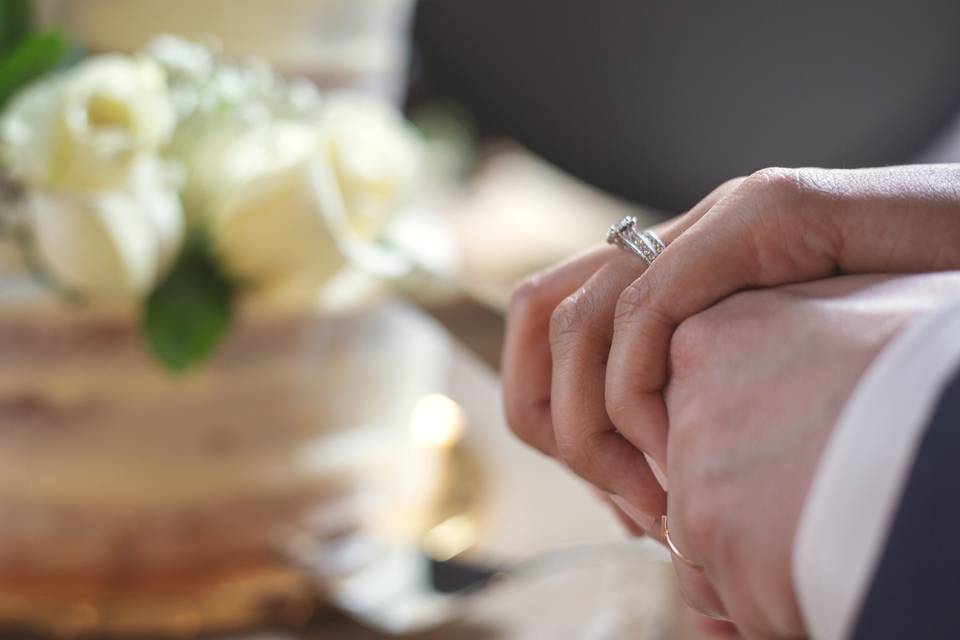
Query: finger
677	225
699	594
695	584
711	627
526	363
648	431
626	521
580	332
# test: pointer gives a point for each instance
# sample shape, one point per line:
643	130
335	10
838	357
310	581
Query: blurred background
545	121
557	117
660	102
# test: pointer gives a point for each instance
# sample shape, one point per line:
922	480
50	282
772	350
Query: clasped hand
706	389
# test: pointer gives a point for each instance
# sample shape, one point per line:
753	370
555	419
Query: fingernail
658	472
644	521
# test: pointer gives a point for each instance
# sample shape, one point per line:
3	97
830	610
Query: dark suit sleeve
915	591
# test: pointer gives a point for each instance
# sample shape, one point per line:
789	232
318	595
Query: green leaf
29	60
16	21
189	312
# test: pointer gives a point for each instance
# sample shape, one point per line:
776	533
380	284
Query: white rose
294	199
108	244
85	128
271	219
376	156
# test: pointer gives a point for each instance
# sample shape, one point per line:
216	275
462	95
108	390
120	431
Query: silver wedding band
644	244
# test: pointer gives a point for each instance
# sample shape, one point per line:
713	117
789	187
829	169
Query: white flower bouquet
174	182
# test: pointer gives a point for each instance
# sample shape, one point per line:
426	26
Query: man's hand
757	382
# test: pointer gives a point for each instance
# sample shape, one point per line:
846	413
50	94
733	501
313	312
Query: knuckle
778	180
580	454
525	296
632	301
784	198
639	308
568	318
519	419
532	426
789	231
733	183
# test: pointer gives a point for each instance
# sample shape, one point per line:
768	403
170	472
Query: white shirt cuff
861	475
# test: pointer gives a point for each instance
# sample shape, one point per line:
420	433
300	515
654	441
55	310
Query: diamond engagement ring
644	244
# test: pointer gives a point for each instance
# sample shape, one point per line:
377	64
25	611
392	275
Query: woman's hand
595	278
586	355
757	383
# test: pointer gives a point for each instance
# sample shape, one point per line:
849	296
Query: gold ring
665	534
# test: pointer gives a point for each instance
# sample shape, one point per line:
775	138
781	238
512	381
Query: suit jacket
915	589
877	554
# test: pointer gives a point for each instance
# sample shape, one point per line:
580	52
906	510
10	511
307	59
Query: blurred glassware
336	43
606	591
596	592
